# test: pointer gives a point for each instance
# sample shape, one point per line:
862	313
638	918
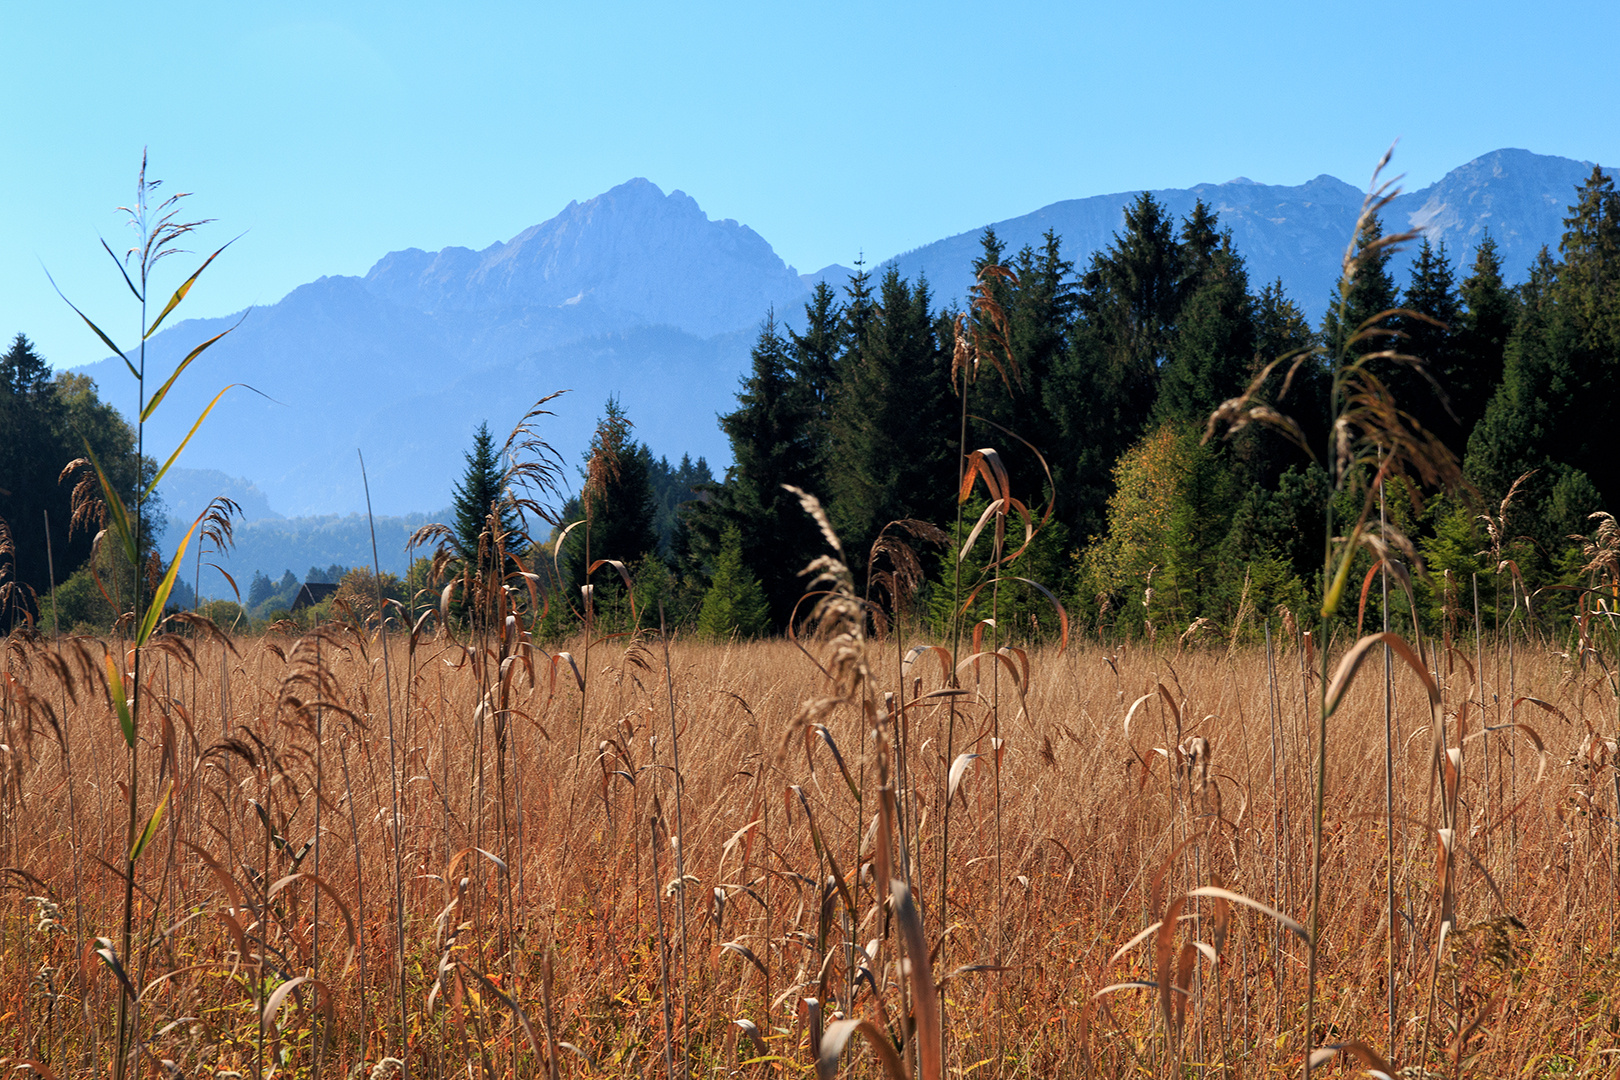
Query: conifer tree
1103	385
1372	293
814	370
478	494
893	424
1038	301
1429	334
45	422
618	497
1202	241
773	435
1282	332
1213	349
1130	297
735	604
1490	312
1561	376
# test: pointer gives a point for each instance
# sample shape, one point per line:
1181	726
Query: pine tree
1491	310
1426	392
893	424
479	494
735	605
773	435
1561	377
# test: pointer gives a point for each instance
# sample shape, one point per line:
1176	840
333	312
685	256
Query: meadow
454	846
648	857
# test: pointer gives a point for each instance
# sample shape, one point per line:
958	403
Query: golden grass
554	926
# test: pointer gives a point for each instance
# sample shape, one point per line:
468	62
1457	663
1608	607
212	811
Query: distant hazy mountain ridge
630	257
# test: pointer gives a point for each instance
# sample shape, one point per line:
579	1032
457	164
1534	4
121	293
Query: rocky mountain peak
632	254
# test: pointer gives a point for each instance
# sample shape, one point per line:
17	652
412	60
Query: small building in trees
312	593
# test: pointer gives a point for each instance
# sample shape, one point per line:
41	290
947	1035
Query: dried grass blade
837	1034
1348	667
924	995
958	767
1141	936
1238	898
1376	1065
500	995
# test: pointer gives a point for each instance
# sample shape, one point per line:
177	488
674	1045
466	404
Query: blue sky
335	132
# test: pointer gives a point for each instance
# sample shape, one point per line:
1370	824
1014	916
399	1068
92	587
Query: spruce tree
618	495
773	435
1130	297
1093	423
1038	301
1202	242
814	370
1101	393
1282	332
479	494
1372	293
1561	377
735	605
1426	390
894	421
45	422
1213	349
1491	309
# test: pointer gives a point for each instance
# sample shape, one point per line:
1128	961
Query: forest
1096	386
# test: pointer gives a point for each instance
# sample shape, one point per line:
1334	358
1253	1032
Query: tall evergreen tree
1038	303
814	366
478	494
1093	423
1562	375
1282	332
893	423
1130	296
773	435
1213	349
45	423
1491	310
1427	392
1371	293
1202	242
1102	389
618	496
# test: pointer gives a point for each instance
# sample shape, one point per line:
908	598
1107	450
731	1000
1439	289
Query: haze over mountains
639	294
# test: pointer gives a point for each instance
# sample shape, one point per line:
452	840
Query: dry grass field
676	864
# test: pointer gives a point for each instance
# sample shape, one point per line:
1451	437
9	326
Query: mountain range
639	294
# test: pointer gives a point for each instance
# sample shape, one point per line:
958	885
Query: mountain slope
633	293
1298	234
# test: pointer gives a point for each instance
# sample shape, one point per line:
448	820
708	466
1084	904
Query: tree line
1096	385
